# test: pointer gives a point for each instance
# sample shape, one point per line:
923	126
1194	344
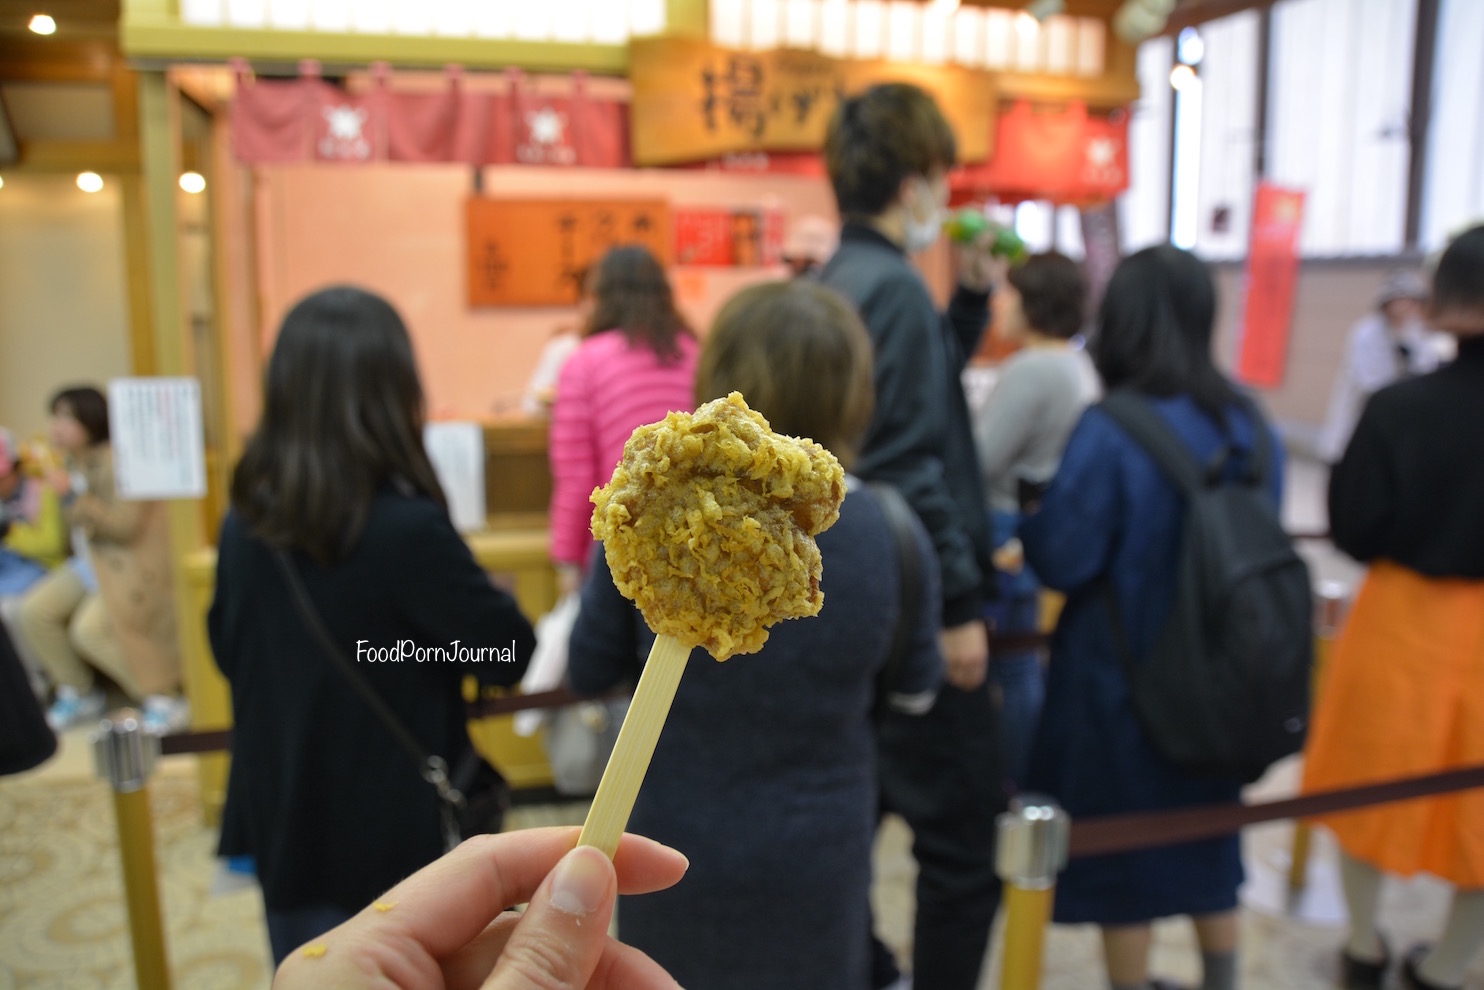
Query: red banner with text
1272	284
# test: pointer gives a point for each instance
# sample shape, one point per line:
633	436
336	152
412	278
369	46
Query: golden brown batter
709	525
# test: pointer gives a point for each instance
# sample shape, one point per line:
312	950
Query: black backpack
1225	690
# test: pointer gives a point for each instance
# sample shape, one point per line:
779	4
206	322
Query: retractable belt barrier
1035	837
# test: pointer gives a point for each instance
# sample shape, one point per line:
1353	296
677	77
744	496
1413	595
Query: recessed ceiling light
192	182
90	182
1183	77
43	24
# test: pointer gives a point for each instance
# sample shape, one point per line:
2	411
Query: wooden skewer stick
635	746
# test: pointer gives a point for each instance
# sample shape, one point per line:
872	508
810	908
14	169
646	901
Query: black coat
1410	488
921	439
320	793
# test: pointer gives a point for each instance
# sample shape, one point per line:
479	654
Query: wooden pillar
159	149
137	274
125	89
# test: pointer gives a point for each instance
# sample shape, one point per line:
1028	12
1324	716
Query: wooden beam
1419	121
168	40
1264	83
688	17
104	157
136	268
1106	93
159	145
57	60
125	88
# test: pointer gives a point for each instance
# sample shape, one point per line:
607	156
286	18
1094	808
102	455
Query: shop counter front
516	559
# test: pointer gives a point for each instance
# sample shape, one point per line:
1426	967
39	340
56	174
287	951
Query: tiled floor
62	925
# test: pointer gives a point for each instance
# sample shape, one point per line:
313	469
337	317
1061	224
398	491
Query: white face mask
921	234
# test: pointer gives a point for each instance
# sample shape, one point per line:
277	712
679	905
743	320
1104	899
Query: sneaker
73	708
163	714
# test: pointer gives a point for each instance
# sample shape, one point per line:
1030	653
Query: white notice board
457	453
158	446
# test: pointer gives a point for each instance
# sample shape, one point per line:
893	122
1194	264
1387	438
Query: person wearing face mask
1389	345
888	152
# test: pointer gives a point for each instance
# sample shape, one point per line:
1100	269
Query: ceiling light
90	182
192	182
1183	77
1191	46
43	24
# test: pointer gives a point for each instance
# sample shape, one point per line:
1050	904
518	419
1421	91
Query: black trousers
942	772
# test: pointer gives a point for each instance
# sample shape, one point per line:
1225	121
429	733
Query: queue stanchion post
1330	601
1031	849
125	755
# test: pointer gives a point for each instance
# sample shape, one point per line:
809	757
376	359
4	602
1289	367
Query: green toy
969	224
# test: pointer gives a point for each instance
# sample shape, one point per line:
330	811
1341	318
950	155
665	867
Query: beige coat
130	546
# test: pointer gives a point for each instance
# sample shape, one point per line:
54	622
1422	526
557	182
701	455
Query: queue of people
761	805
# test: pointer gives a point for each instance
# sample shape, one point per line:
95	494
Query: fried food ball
709	522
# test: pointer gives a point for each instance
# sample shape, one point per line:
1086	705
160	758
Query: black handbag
473	795
25	739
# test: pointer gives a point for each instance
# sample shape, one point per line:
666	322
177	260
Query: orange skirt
1404	695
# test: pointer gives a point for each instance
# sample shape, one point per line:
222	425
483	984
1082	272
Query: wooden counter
516	557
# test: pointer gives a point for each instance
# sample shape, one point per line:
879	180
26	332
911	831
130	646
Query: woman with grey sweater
1021	432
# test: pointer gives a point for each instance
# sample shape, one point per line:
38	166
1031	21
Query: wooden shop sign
694	100
533	252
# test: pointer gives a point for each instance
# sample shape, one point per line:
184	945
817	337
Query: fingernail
580	881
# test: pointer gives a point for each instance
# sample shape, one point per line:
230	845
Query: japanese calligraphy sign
158	450
693	100
532	252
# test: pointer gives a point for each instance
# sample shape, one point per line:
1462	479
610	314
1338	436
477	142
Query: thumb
561	936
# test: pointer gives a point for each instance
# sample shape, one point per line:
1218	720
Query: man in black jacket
888	153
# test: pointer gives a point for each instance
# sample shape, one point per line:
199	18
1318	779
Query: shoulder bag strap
1139	420
902	521
432	767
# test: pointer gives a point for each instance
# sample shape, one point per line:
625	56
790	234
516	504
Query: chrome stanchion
125	755
1031	851
1331	599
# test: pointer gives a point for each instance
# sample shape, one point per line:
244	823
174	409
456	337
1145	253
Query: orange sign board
694	100
532	252
1272	284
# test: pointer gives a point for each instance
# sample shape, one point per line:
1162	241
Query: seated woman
336	485
112	608
765	773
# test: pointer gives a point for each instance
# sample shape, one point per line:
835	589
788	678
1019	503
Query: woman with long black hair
331	806
1112	519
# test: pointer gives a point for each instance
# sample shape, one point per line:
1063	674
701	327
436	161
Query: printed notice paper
457	453
158	450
